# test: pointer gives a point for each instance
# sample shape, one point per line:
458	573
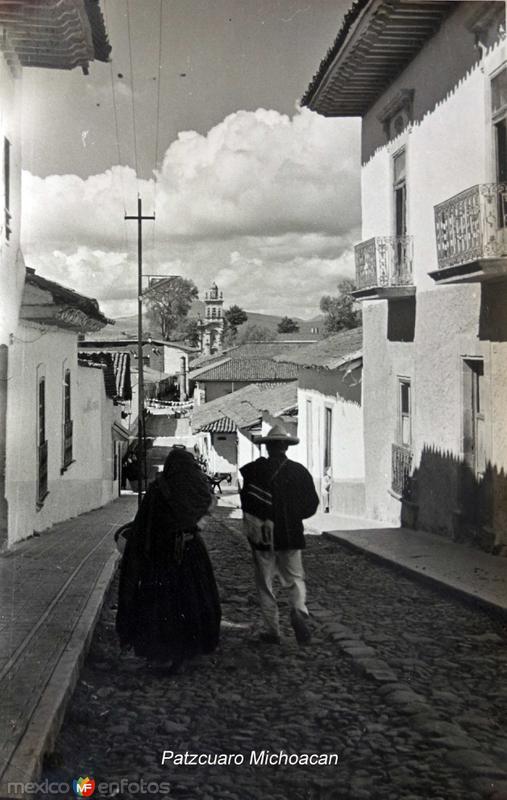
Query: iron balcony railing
42	482
400	470
67	444
472	225
384	261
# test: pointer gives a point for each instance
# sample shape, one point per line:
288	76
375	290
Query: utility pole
141	443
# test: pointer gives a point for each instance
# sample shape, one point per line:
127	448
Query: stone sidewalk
461	568
458	567
51	592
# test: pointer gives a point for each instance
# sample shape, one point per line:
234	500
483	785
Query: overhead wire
133	94
159	79
157	128
117	134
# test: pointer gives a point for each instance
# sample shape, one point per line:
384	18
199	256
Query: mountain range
128	325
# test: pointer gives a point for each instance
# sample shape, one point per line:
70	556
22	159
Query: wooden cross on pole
141	442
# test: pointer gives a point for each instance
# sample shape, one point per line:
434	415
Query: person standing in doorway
276	496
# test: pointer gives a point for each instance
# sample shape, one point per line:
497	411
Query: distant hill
128	324
306	327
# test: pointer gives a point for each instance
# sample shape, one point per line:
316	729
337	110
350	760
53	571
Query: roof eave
363	61
55	35
326	70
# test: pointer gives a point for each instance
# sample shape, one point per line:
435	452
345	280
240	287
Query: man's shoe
301	629
269	638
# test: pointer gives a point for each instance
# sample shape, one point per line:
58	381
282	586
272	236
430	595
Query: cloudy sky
199	116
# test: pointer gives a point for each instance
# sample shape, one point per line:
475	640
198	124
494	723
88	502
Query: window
42	445
499	92
401	465
328	430
309	435
213	312
405	413
499	117
501	150
67	422
398	113
400	212
400	193
42	410
7	188
473	415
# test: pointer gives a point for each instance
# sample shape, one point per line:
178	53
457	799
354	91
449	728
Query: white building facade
61	456
330	420
58	36
431	271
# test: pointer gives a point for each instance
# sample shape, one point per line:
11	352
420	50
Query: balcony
471	234
384	268
42	475
401	465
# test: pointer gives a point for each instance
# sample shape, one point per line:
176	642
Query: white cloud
265	204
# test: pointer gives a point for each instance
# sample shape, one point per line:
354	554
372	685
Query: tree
169	303
233	318
340	310
191	332
254	333
287	325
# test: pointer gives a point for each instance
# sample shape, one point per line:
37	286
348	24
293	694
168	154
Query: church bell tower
213	328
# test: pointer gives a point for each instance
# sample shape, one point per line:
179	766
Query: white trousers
288	565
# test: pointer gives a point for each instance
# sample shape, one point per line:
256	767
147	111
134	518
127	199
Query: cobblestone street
406	685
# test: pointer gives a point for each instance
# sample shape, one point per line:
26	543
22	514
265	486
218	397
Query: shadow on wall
450	60
401	316
444	496
493	319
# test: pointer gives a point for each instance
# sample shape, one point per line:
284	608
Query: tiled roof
221	425
284	344
66	297
330	353
116	368
121	366
195	373
234	406
245	407
205	360
103	361
300	337
246	369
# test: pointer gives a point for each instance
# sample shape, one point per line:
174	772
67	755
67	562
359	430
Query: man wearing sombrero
277	495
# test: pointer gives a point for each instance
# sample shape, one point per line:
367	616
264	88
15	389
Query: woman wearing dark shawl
168	605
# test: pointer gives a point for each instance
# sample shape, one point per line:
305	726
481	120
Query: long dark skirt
177	611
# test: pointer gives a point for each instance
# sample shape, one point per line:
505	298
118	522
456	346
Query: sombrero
276	434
